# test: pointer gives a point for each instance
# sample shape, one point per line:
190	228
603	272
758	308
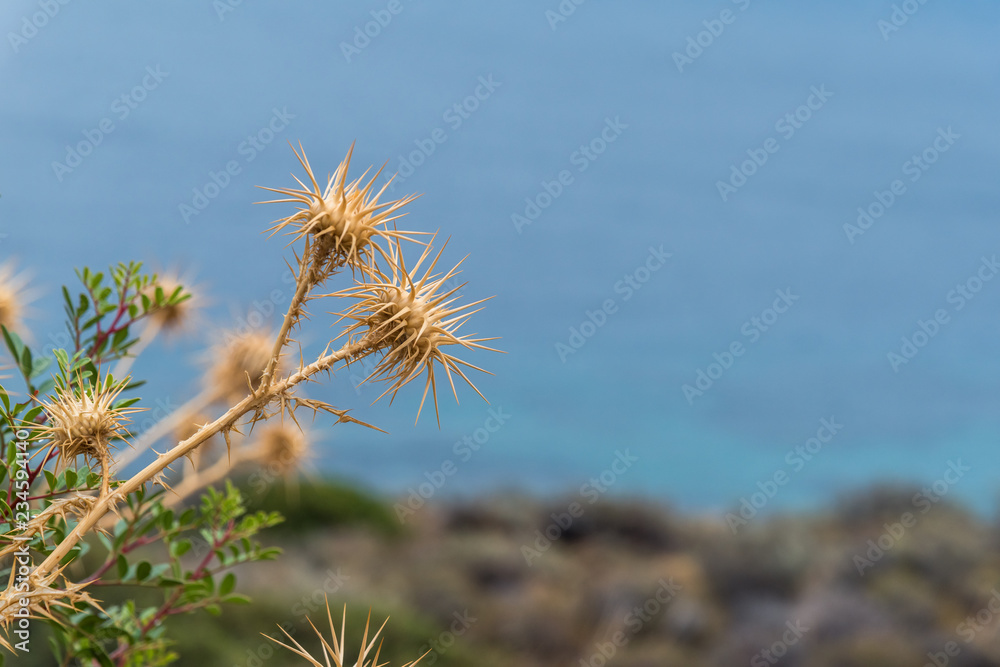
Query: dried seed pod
283	447
13	296
336	646
412	318
36	597
172	318
83	420
343	219
238	362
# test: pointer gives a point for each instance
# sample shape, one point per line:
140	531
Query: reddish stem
128	548
119	654
122	308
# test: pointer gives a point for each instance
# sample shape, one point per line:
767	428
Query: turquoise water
676	136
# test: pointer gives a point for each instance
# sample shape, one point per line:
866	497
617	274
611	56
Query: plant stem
255	401
198	479
304	283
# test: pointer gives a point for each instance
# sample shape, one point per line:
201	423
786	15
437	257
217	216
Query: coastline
872	581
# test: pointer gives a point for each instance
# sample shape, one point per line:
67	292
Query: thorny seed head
13	297
71	507
174	317
341	220
414	320
236	360
283	447
82	419
335	648
37	596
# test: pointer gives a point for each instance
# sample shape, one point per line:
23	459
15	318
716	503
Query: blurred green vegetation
320	504
236	638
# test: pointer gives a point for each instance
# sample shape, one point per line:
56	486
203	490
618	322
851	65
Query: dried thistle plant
176	315
414	319
14	298
279	449
334	649
179	303
284	447
239	366
84	421
39	599
343	219
401	314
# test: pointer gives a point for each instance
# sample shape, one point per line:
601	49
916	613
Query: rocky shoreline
873	582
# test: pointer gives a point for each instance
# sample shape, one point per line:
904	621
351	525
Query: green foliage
326	504
99	320
190	572
236	637
100	317
181	561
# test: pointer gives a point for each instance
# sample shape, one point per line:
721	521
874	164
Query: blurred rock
630	584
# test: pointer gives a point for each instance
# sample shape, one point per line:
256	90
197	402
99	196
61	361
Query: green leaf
13	342
31	414
120	336
91	322
227	585
179	548
168	582
39	366
26	362
269	554
165	519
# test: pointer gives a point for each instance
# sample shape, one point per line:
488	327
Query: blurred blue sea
542	92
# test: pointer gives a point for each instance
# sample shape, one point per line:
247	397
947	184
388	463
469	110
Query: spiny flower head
343	219
37	596
334	650
84	420
414	319
71	507
176	315
283	447
13	297
238	361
